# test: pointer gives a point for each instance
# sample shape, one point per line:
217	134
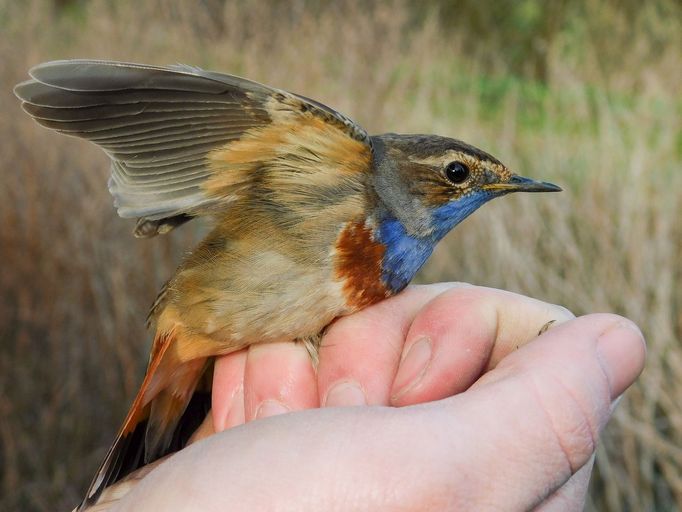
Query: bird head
425	185
431	183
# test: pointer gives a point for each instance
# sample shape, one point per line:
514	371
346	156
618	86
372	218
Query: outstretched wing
161	125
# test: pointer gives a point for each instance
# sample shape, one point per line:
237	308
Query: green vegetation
583	93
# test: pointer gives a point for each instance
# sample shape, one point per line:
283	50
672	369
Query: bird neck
406	252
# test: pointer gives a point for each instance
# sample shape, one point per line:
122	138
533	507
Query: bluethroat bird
313	218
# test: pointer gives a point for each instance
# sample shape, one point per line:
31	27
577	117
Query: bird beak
520	184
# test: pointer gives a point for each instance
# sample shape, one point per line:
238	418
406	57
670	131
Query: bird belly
266	297
287	309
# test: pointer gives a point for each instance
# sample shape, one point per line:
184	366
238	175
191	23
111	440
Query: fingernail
235	415
345	393
615	403
413	367
270	408
616	350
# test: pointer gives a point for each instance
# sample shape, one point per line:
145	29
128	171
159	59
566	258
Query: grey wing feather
157	124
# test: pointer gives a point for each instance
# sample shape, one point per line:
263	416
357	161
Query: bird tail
153	426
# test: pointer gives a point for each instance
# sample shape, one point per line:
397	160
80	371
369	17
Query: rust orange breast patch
357	265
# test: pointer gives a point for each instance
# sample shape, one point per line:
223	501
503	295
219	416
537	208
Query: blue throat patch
405	254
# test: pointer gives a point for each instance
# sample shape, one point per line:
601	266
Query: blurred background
584	93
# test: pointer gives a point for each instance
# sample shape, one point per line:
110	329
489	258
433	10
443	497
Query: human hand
504	428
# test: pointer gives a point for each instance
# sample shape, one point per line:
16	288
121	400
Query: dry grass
605	124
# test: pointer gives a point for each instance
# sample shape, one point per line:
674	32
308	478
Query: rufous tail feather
151	423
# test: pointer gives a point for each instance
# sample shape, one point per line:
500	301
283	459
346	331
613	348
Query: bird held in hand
312	217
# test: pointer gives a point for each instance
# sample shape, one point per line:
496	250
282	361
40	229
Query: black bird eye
457	172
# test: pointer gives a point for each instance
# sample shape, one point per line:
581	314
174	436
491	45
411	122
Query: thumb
553	398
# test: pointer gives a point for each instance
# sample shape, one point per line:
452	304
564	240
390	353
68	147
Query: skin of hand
487	414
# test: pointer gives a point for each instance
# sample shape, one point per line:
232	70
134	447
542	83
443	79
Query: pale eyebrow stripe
448	156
